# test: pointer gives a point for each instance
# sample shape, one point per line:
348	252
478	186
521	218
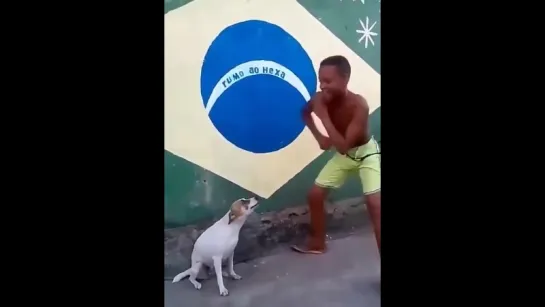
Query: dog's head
241	208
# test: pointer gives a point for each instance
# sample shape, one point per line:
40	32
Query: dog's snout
256	198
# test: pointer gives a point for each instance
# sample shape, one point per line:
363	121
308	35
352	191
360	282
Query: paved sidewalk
347	275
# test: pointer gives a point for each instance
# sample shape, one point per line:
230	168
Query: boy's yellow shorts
363	160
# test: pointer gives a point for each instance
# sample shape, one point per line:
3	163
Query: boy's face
332	83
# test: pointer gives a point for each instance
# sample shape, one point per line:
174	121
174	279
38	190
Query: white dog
217	244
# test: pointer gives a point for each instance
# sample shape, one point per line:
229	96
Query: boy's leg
332	176
373	206
370	177
316	242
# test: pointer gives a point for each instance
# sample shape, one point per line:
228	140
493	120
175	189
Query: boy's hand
324	143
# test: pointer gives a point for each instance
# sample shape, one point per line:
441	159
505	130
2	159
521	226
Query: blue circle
261	112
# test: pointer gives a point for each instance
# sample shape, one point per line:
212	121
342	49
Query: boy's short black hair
340	62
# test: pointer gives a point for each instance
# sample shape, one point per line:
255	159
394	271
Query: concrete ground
347	275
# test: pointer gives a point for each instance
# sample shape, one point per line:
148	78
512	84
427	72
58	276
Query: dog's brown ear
235	212
232	217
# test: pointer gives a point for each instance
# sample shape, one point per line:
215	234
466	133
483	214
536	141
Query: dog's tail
181	276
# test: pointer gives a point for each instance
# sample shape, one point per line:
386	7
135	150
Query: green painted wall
174	4
193	194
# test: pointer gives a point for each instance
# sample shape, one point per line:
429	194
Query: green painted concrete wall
193	194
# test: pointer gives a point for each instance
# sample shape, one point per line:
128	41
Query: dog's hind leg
193	273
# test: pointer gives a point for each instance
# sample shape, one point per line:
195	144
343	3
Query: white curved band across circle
248	69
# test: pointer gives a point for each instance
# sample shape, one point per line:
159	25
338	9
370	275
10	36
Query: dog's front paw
235	276
223	291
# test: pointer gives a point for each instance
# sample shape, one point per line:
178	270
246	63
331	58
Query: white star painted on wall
366	32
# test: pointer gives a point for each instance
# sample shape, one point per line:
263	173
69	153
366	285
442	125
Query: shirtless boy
345	117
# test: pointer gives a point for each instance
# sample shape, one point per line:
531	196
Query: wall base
264	232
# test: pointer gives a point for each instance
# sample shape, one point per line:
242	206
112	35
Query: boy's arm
309	121
353	132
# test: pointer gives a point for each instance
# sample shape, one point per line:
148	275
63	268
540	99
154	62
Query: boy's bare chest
341	117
